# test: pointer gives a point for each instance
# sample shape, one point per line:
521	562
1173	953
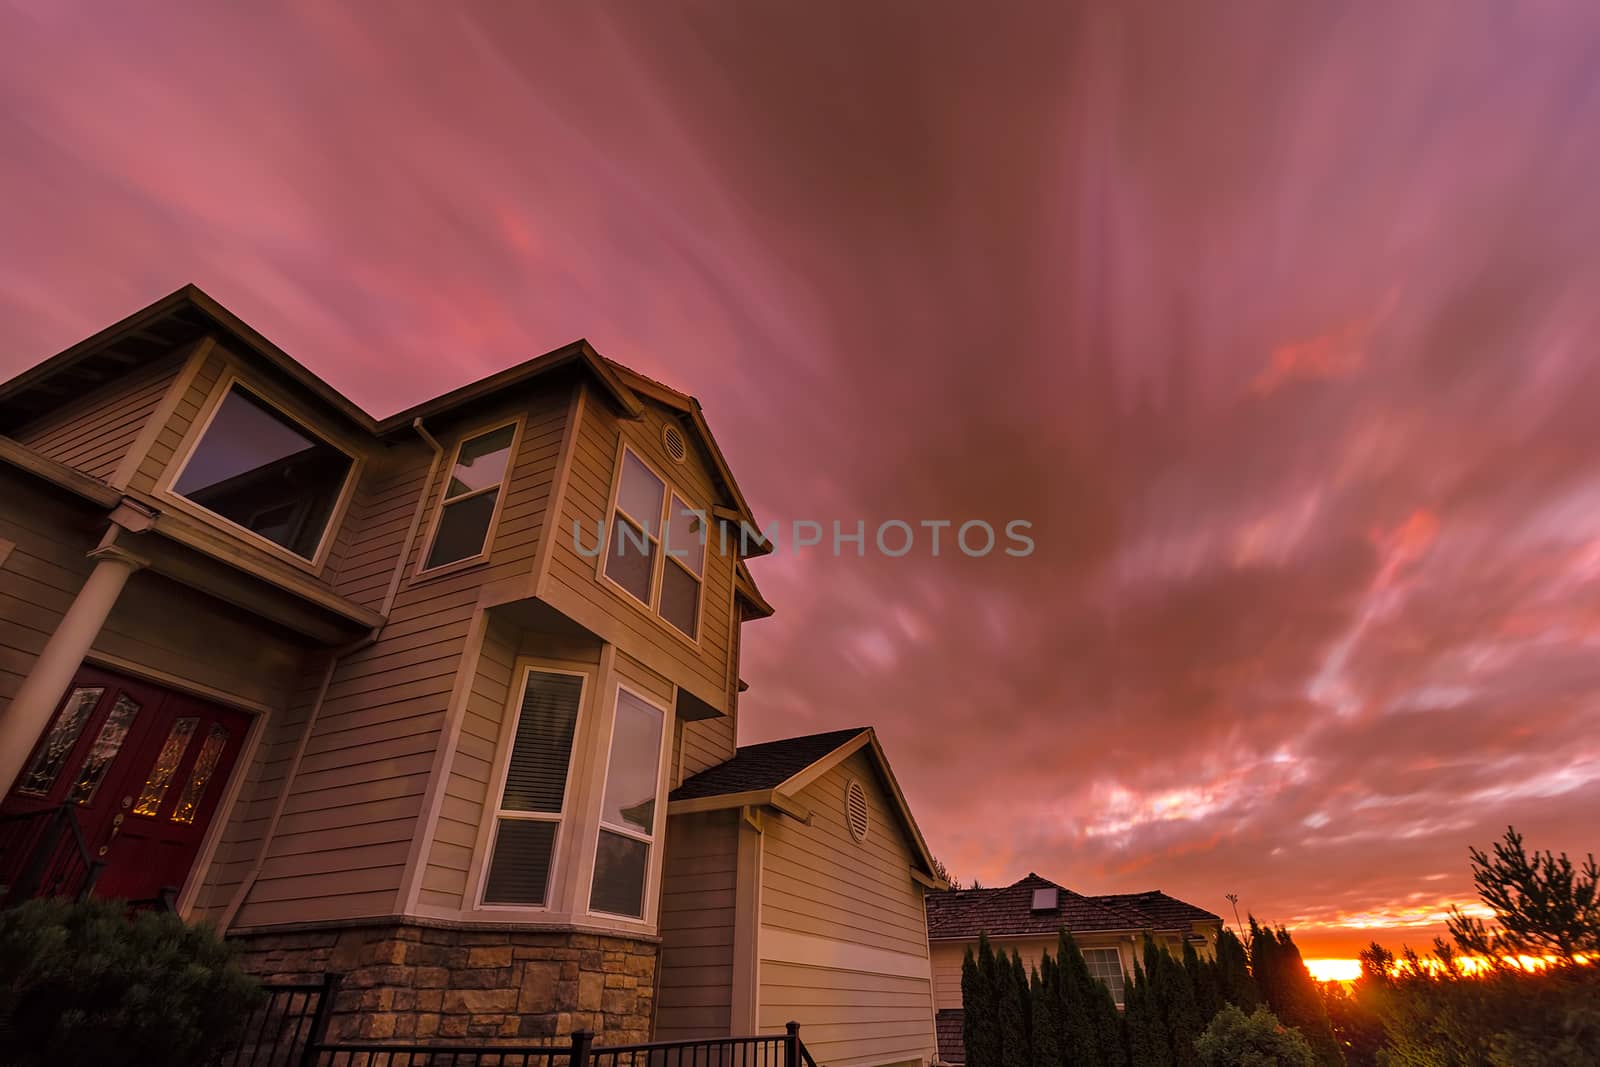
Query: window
628	808
532	798
654	531
258	469
1106	965
45	767
471	497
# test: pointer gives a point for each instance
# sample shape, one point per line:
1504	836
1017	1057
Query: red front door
143	768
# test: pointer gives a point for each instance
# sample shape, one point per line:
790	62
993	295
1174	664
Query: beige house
405	699
1027	916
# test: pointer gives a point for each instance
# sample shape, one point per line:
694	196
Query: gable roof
764	766
773	773
963	914
189	313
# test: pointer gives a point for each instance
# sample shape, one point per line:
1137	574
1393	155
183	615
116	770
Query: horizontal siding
42	573
820	881
695	970
467	802
849	1018
94	433
706	743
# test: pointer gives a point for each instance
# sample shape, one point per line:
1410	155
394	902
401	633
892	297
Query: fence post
582	1042
319	1019
791	1044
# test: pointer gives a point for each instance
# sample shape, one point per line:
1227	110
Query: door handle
116	828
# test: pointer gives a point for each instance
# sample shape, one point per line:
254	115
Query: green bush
82	984
1235	1039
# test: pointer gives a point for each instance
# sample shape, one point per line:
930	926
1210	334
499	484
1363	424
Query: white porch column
31	708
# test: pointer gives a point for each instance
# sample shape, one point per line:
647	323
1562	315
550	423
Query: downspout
338	657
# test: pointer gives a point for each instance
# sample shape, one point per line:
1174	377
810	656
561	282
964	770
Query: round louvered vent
676	446
855	810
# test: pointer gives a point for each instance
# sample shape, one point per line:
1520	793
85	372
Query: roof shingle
764	766
962	914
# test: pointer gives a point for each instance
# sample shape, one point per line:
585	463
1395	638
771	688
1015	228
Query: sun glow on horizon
1334	970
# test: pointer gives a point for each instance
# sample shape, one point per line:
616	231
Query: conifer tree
980	1024
1203	980
1013	995
1234	983
1147	1039
1289	990
1046	1031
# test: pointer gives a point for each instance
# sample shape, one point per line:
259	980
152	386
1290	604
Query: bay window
533	796
656	546
628	808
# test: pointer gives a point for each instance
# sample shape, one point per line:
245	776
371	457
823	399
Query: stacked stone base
452	985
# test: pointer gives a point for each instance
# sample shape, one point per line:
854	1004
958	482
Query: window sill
444	570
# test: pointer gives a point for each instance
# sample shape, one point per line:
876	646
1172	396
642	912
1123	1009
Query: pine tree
1289	990
1203	980
980	1027
1079	1032
1234	984
1172	1003
1013	995
1147	1039
1046	1032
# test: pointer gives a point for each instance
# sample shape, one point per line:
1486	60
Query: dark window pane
113	732
634	764
536	779
630	558
46	764
463	529
680	598
619	870
256	468
520	869
482	462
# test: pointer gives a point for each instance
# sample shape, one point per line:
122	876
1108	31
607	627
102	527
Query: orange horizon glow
1332	969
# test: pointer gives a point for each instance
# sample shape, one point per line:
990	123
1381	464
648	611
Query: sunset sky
1277	321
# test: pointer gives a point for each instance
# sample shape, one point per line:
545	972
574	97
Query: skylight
1046	899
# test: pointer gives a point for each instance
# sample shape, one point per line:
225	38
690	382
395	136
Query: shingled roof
962	914
764	766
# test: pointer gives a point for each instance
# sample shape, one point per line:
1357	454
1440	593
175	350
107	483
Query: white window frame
1118	954
197	434
492	802
670	489
422	570
652	866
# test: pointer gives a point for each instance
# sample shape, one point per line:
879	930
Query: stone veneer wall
431	984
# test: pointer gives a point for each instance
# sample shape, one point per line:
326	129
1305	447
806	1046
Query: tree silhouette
1543	905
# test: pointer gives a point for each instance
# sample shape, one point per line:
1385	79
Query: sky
1275	322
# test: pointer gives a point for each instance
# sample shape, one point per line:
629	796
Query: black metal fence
285	1029
774	1050
43	854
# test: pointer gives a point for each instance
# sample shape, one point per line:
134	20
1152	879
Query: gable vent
1046	899
672	440
855	810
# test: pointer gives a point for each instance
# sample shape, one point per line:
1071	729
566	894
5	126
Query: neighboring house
1028	916
405	698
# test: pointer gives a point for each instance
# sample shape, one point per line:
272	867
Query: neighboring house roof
963	914
948	1026
773	773
1164	912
